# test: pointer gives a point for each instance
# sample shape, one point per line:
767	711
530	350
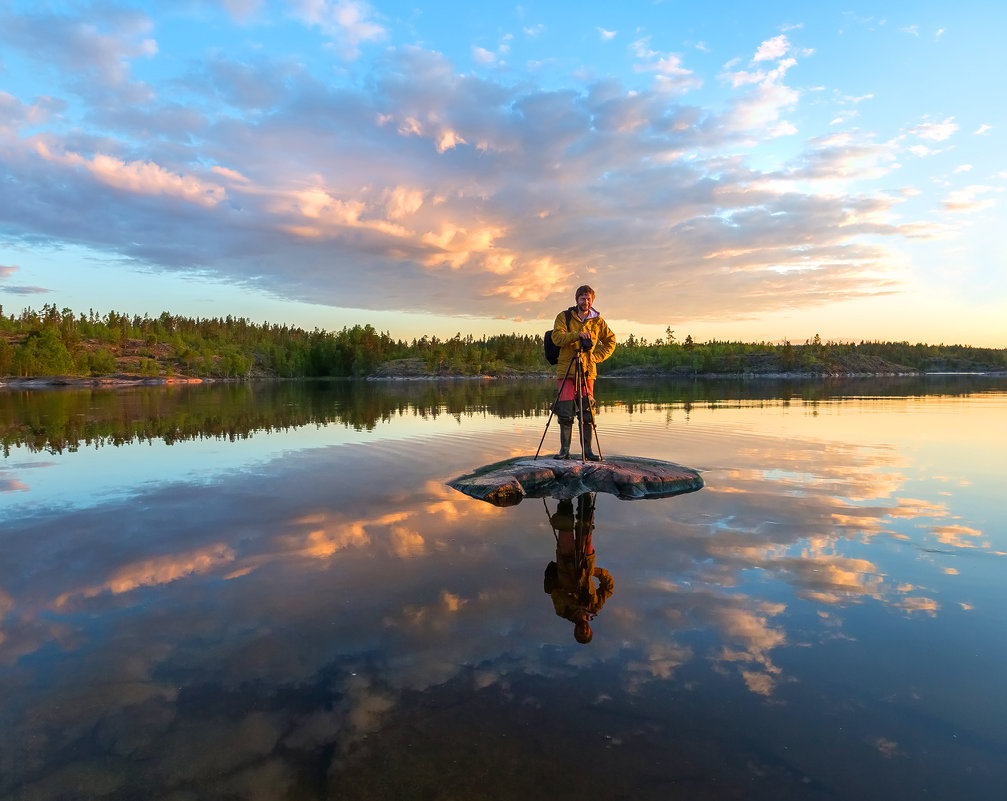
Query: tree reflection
58	420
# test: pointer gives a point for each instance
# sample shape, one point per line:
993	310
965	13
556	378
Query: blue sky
753	171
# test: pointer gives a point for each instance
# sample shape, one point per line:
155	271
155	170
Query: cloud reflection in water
293	609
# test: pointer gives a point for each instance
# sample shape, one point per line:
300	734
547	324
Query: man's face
584	301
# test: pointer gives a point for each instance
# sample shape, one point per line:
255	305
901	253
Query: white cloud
970	198
761	107
606	35
139	177
772	49
671	74
935	131
483	56
242	10
231	175
844	117
403	201
348	22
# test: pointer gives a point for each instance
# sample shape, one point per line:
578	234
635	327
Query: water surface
270	592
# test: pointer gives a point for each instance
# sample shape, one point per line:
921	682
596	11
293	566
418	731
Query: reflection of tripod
564	524
570	579
579	393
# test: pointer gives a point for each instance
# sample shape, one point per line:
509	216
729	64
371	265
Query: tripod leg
588	429
579	400
593	434
552	409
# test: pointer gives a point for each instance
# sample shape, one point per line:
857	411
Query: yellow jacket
574	590
567	338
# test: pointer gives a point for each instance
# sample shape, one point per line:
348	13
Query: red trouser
568	388
566	404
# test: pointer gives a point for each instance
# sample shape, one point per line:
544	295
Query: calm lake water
269	592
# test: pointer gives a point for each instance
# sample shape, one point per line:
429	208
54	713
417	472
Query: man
587	339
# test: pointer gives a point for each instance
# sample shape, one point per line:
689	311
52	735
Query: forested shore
53	343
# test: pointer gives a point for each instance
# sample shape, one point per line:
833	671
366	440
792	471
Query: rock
629	477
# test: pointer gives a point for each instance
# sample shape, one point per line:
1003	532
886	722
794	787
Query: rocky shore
417	370
120	380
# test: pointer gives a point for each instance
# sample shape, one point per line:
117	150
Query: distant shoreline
126	381
56	382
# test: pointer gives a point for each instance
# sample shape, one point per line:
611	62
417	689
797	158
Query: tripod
582	525
579	384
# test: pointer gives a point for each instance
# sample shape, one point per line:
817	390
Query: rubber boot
589	455
565	437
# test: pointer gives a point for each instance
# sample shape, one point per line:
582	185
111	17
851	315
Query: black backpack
552	350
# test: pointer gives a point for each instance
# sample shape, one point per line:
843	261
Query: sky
735	171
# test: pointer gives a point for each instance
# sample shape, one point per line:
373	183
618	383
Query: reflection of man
570	579
582	334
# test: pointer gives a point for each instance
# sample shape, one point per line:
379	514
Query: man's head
585	298
584	290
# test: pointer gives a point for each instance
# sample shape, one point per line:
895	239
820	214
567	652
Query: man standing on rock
584	339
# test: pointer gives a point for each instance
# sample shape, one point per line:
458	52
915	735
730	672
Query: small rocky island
629	477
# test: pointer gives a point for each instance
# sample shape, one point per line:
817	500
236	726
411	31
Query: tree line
813	356
59	342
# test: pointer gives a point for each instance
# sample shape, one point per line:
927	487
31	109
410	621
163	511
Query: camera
586	344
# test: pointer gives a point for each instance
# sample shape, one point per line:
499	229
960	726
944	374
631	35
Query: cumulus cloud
422	174
772	49
102	47
759	107
145	178
970	198
481	55
15	115
349	22
242	10
936	131
252	85
671	74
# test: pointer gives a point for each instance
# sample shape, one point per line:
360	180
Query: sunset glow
752	172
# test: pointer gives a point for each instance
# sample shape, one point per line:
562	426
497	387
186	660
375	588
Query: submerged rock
630	477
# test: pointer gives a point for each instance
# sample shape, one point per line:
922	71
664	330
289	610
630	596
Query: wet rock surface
629	477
